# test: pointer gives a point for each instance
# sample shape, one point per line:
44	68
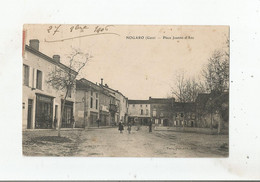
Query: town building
212	109
184	114
98	102
162	111
119	105
41	102
139	111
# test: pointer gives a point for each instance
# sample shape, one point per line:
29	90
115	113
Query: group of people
129	126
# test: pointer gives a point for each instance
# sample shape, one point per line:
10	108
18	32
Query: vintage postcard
125	90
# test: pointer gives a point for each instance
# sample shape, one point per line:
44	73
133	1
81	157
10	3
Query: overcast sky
138	68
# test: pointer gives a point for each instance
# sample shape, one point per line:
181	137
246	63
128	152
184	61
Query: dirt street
108	142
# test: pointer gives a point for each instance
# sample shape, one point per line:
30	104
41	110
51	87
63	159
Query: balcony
112	108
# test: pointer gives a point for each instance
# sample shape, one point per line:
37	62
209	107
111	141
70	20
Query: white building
120	101
139	111
41	102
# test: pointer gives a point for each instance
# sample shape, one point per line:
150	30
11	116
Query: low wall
191	130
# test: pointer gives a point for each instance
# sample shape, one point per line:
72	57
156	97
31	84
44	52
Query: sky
139	61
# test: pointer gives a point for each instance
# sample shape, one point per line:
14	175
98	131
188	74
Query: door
55	116
165	122
29	114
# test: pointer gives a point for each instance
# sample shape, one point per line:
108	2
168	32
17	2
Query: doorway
165	122
29	114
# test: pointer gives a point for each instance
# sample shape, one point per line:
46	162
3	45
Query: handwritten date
97	29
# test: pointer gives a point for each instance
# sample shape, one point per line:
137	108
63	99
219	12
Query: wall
135	110
37	63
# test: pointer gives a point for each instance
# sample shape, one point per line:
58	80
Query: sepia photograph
125	91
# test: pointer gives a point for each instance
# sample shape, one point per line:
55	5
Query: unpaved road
108	142
111	143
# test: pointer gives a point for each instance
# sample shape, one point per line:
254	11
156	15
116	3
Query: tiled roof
47	58
180	106
138	102
161	100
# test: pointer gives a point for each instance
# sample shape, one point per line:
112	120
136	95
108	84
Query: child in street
120	127
129	127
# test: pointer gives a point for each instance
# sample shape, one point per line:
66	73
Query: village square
64	115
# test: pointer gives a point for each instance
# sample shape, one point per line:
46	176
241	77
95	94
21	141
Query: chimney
56	58
102	81
34	43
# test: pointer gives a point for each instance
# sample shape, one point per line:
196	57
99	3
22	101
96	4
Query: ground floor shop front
42	111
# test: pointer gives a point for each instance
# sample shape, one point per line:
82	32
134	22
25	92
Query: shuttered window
39	80
26	75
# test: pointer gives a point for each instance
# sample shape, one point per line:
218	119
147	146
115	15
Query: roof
86	84
110	89
83	84
202	98
187	106
161	100
49	59
138	102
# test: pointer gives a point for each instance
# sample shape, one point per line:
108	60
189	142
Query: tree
186	90
218	104
63	78
216	72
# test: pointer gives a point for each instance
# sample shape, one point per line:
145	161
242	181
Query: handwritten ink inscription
53	29
90	30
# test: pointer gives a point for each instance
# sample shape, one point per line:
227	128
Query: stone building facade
139	111
120	102
41	102
98	102
184	114
162	111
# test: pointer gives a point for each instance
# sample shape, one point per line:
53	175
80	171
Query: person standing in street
72	122
98	122
150	125
129	127
120	127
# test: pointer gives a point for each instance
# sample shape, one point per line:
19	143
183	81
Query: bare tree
64	77
179	87
186	90
216	72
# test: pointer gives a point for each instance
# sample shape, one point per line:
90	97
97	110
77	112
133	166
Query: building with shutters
139	111
41	102
98	102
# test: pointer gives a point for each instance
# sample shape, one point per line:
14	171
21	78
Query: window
146	105
69	91
181	114
91	93
141	105
154	113
26	75
133	105
96	95
39	80
91	102
96	104
142	112
146	111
